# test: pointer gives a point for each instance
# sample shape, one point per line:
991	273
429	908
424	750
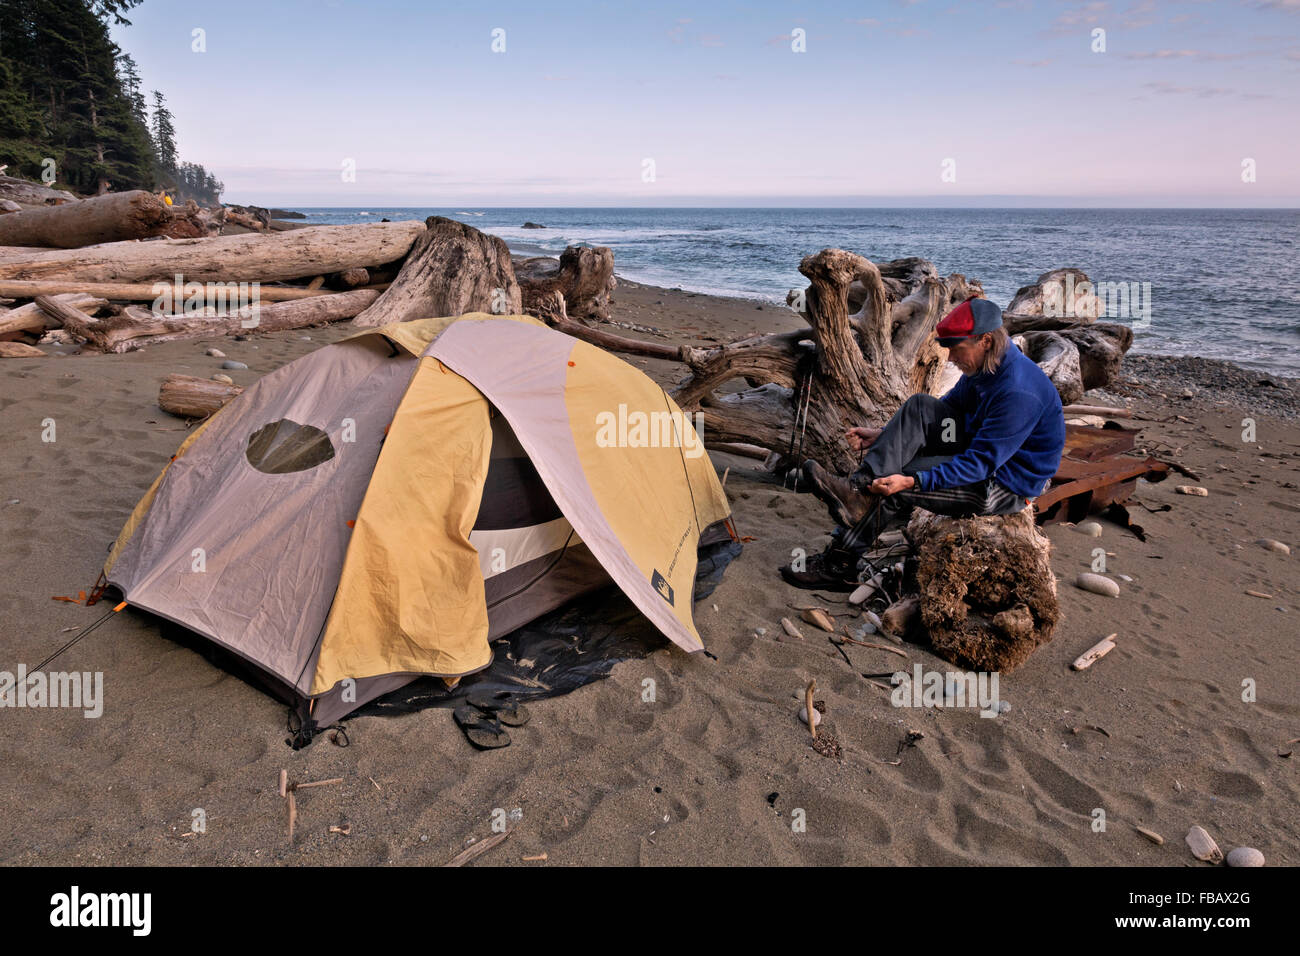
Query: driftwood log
987	592
114	217
28	193
452	269
583	276
191	397
137	327
143	291
1058	357
20	350
251	257
33	319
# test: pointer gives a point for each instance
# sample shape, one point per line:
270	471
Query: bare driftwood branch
137	327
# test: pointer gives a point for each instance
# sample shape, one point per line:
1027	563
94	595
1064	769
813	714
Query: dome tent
380	509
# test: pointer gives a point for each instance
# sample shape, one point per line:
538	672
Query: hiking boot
847	505
831	570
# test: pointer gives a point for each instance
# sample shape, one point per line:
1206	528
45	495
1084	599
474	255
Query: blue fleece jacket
1016	427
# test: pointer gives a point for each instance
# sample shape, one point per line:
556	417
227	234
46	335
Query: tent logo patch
660	584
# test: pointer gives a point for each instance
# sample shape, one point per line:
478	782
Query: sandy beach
1157	734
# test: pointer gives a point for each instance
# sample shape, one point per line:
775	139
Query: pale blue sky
586	92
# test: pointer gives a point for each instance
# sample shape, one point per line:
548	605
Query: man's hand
892	484
862	438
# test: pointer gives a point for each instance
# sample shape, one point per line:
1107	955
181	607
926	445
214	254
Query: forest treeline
73	109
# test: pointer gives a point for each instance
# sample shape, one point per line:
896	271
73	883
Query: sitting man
986	448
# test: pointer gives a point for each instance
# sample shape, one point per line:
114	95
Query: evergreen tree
163	131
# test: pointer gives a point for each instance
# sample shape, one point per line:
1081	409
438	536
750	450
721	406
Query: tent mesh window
285	446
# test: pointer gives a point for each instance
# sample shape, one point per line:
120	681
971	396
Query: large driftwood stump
806	388
584	276
452	269
988	595
114	217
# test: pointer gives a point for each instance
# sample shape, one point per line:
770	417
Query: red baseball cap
973	317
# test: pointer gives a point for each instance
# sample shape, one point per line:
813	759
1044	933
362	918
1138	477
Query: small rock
305	338
1124	577
233	365
1245	856
224	379
215	353
803	717
760	631
874	618
1004	706
866	630
1097	584
790	629
1090	528
862	592
1271	545
1188	393
1196	490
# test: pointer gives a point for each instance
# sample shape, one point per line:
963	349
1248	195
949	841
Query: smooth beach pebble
760	631
1097	584
1271	545
235	365
874	618
224	379
1004	706
1245	856
803	716
1195	490
215	353
861	593
1090	528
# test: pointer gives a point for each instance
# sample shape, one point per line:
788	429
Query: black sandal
508	711
481	730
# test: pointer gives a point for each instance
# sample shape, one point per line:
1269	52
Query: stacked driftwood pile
90	272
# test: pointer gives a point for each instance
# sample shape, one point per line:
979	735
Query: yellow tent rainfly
382	508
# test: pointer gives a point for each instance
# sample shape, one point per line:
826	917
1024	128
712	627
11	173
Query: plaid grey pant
982	498
924	433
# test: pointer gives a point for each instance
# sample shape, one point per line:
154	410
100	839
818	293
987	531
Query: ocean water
1222	281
